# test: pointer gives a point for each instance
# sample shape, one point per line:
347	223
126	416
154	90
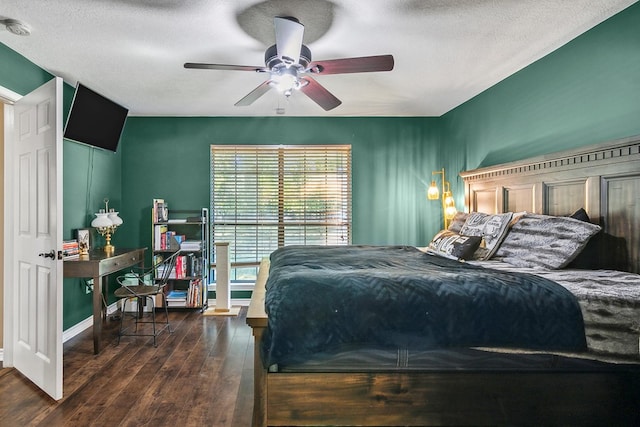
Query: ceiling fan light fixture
285	80
289	65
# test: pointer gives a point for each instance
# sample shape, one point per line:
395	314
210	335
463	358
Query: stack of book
191	245
70	249
194	294
176	298
194	265
165	239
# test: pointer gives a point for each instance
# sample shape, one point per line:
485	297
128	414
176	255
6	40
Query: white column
223	269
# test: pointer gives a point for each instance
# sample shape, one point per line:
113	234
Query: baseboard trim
88	322
77	328
85	324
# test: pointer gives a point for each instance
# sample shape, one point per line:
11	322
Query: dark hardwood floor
200	375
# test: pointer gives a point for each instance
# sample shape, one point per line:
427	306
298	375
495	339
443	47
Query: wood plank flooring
201	374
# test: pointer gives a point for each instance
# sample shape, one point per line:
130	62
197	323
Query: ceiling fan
290	67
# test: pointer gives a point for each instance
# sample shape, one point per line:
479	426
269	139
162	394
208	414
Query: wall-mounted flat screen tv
95	120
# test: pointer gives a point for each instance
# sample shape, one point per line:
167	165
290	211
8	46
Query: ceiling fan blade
224	67
254	94
362	64
289	33
319	94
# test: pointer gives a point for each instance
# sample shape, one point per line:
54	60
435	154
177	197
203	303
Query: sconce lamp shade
449	205
433	193
448	198
448	202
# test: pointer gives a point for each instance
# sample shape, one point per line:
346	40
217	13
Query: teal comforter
323	298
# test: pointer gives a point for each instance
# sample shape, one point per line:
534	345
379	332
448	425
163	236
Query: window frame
337	195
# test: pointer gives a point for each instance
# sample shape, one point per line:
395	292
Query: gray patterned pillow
492	229
458	221
545	241
452	245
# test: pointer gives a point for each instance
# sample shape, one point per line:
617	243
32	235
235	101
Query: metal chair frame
142	292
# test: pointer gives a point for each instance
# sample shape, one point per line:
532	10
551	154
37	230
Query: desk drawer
117	263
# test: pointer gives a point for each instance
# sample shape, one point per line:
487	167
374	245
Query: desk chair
143	286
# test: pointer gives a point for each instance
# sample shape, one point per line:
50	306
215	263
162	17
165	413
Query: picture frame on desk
84	240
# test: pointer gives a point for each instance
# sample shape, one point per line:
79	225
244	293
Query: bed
578	365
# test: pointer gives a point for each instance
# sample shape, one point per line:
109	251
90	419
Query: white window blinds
265	197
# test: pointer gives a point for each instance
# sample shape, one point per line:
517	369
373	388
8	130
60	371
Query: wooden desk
98	265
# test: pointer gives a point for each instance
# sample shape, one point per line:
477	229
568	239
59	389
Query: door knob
51	254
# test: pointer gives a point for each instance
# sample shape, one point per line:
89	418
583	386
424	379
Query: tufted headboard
603	179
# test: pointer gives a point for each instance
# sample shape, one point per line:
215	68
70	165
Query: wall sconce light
448	202
106	222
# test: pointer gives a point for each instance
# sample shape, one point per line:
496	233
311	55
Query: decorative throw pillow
492	229
545	241
452	245
602	251
581	214
457	222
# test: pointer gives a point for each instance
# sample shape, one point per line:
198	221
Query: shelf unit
186	230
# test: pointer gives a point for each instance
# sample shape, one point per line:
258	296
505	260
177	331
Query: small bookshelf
186	231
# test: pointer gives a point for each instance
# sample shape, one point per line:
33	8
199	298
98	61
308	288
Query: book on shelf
176	303
197	219
194	293
176	294
177	298
160	272
157	259
159	230
191	245
165	239
181	267
70	249
160	210
191	260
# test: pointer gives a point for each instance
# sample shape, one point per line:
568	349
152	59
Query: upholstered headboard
603	179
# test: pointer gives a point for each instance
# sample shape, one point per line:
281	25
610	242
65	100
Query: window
266	197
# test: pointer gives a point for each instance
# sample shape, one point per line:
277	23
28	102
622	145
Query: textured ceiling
446	51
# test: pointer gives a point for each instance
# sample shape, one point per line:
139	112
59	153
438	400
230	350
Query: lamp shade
450	212
448	199
433	193
114	218
101	220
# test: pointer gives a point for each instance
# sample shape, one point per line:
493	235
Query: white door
36	204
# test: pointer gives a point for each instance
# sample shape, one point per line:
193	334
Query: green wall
18	73
392	162
90	175
586	92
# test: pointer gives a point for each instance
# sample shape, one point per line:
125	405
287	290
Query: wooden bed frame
603	179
